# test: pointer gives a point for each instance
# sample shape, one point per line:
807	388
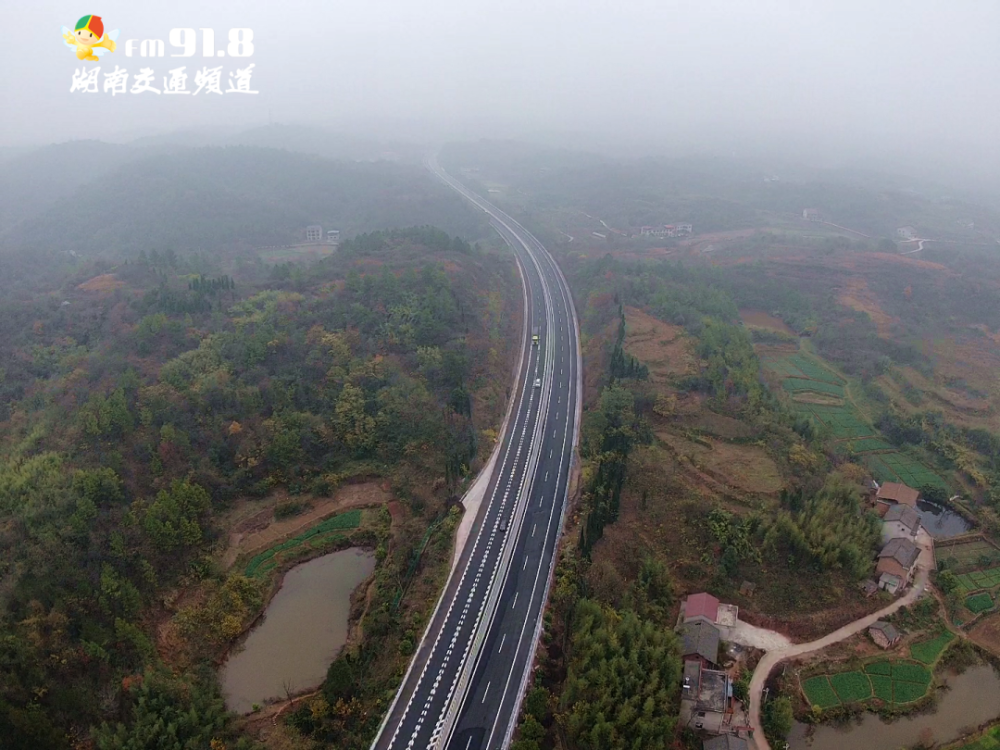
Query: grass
316	537
928	652
851	687
979	603
820	693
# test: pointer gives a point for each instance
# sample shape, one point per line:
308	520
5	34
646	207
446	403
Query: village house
906	233
705	698
896	564
700	642
900	522
706	608
314	233
725	742
884	634
894	493
811	214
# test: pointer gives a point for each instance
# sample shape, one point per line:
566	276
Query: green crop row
796	385
869	444
898	467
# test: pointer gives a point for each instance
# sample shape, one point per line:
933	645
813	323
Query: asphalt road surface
467	678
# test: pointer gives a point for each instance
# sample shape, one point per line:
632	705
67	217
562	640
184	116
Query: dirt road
771	659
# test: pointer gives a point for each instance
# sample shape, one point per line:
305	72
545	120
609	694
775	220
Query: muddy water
303	628
941	523
974	698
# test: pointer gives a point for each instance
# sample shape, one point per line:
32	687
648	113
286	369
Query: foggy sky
894	76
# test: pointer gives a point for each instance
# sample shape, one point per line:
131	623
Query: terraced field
979	580
967	552
899	467
807	381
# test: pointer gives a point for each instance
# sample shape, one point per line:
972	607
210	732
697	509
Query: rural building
900	522
333	236
704	607
314	233
890	583
893	493
726	742
683	229
898	558
884	634
700	642
705	695
811	214
906	233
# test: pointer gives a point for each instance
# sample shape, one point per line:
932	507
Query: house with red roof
701	606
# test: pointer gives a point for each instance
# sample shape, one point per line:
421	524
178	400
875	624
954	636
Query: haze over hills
232	197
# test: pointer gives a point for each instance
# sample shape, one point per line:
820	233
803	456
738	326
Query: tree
778	718
172	519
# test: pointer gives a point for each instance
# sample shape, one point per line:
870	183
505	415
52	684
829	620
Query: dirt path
925	564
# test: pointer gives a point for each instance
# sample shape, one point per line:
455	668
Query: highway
464	686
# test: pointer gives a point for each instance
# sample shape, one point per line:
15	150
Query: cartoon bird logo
88	39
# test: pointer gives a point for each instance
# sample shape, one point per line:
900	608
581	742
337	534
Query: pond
941	522
973	698
303	629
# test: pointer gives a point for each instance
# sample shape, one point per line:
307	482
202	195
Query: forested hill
225	199
157	400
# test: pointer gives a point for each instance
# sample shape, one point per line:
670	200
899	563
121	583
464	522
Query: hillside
230	199
158	405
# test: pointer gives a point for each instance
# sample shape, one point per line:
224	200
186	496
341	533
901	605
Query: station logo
91	44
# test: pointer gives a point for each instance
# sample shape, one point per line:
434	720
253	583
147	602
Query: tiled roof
887	629
902	551
700	639
701	605
905	515
899	493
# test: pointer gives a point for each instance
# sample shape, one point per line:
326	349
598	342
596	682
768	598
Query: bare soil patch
106	282
258	530
761	319
663	347
857	296
986	633
744	467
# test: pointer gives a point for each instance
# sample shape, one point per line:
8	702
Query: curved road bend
464	686
925	563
